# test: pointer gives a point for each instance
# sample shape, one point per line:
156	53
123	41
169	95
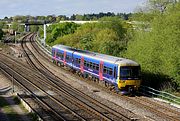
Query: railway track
21	79
172	114
93	108
159	110
57	103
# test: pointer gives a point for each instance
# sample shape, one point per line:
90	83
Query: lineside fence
148	91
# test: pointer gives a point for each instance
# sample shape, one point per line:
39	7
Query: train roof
63	47
98	56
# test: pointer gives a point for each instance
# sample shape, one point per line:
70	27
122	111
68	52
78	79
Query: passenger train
120	73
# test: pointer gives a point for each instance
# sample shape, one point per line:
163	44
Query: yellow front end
129	77
123	84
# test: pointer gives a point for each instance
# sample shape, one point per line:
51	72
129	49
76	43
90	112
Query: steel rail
84	95
17	76
89	108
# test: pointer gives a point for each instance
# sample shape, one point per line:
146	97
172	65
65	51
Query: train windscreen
130	72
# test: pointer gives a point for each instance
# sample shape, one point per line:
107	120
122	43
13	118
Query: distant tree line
87	17
15	20
55	19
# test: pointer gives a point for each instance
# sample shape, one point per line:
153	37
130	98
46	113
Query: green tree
79	17
158	49
59	30
34	28
21	28
2	24
106	42
1	33
58	19
108	36
15	26
160	5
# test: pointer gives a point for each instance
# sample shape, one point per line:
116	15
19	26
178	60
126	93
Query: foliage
7	109
158	50
2	25
1	33
21	28
107	36
160	5
34	28
59	30
107	42
56	19
15	26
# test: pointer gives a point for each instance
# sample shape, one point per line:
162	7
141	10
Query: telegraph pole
44	42
15	33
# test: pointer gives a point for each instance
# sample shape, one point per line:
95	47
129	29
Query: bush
158	50
107	36
1	34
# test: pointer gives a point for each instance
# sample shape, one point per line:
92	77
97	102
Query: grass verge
11	114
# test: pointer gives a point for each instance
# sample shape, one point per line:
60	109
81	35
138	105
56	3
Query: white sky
65	7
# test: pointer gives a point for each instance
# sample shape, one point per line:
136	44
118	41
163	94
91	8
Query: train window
97	67
114	72
91	65
110	71
105	70
94	66
62	56
88	64
70	59
79	60
85	63
53	52
58	54
76	60
67	57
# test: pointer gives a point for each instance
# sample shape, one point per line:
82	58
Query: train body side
93	67
115	73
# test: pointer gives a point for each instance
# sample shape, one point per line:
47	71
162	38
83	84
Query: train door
101	70
82	64
64	60
72	60
55	55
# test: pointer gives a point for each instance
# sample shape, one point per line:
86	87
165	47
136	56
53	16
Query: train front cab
129	78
